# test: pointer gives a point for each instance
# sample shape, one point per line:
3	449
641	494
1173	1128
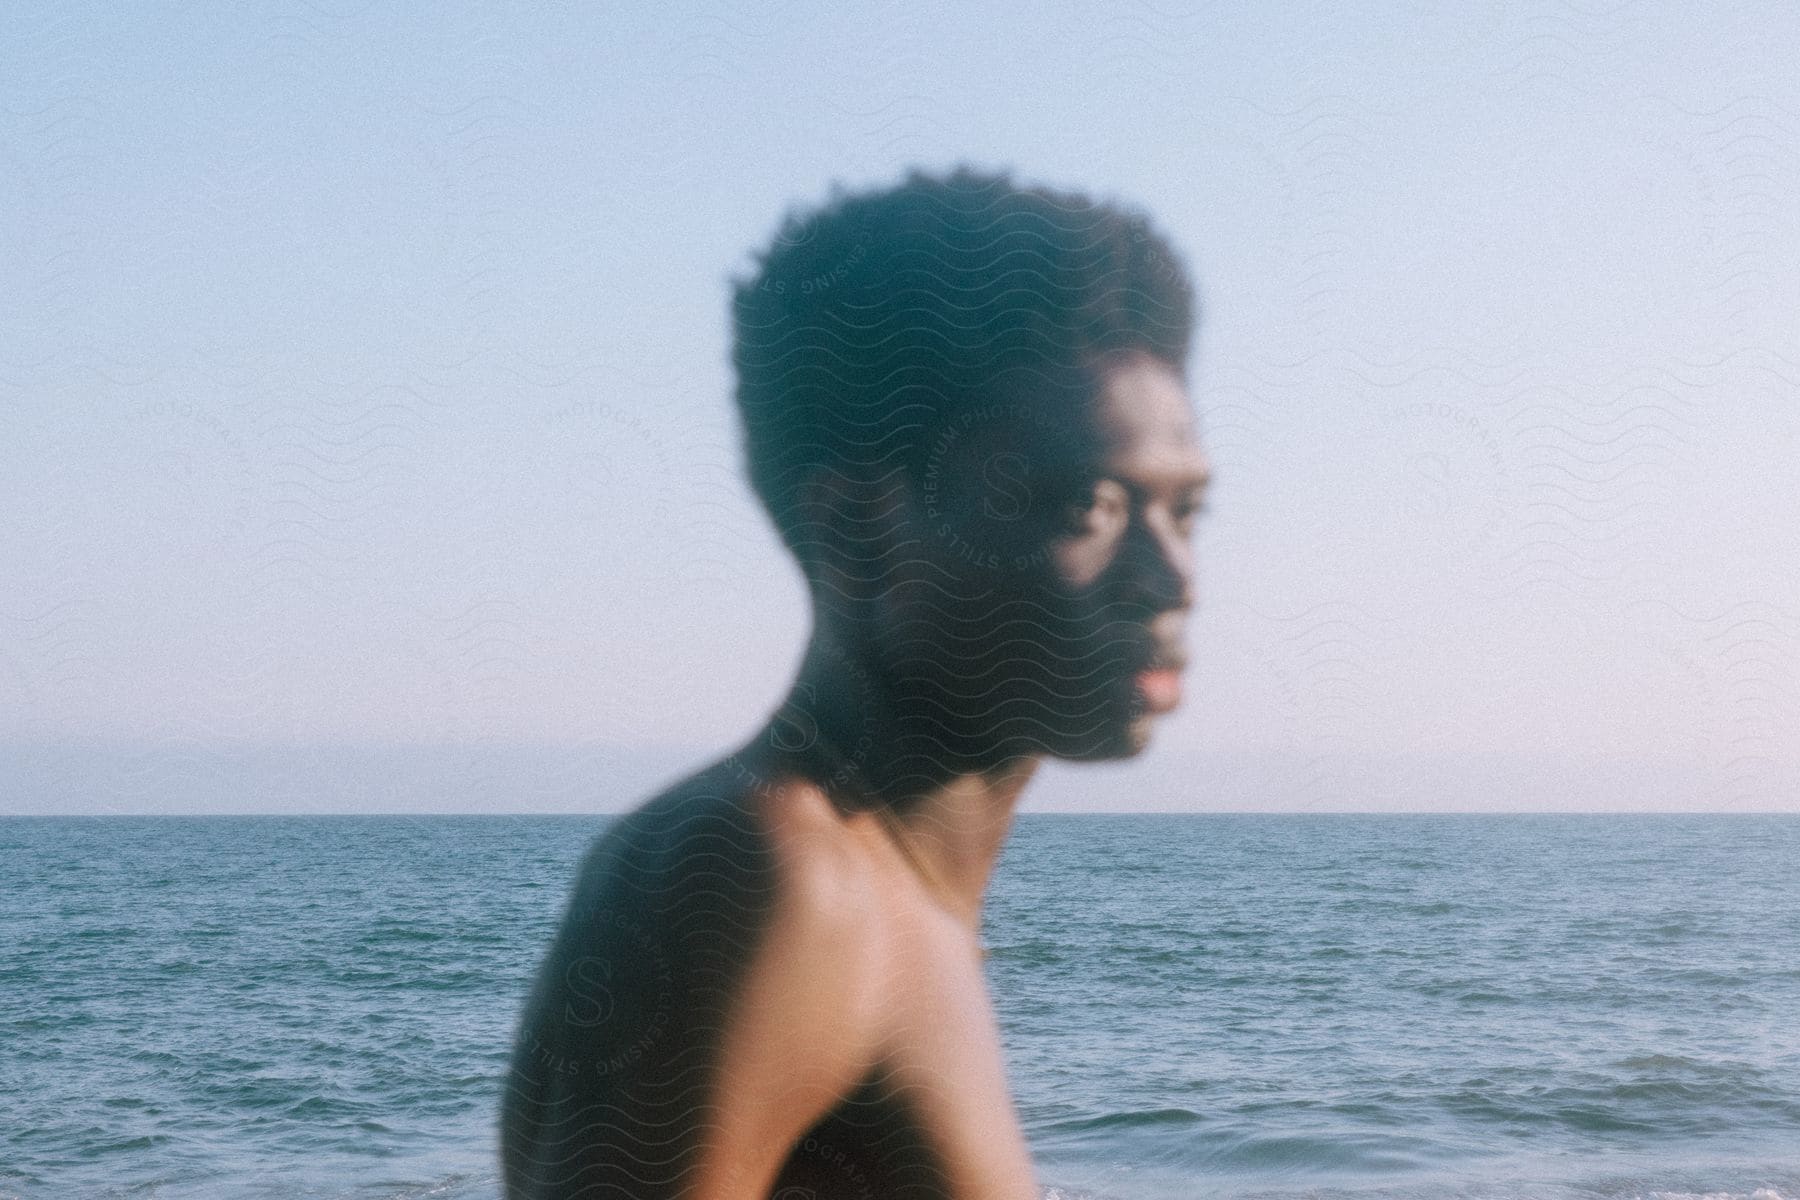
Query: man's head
964	407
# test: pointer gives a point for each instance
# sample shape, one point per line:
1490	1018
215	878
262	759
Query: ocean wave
1219	1027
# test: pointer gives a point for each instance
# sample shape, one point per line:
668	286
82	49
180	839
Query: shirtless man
964	407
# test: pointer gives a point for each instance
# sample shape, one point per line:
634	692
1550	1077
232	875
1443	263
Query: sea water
1236	1006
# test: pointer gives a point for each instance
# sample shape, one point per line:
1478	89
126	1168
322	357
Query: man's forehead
1135	411
1142	405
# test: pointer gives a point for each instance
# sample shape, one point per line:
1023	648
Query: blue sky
335	337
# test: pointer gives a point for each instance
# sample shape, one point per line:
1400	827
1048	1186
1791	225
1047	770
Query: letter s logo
590	1001
1008	496
794	728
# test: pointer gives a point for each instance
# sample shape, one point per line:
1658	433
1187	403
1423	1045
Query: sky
366	439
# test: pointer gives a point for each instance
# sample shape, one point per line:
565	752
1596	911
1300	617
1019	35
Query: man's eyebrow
1194	483
1199	479
1196	480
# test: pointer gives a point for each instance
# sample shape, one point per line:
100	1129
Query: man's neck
950	810
955	832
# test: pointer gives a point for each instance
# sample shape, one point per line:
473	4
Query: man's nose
1157	568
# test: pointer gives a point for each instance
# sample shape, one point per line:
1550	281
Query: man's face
1058	566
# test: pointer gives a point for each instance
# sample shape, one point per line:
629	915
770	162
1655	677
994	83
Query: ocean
1276	1007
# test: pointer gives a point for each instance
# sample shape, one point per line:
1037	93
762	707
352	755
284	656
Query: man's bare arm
708	999
799	1031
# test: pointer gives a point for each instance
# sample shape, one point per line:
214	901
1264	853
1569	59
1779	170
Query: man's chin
1126	740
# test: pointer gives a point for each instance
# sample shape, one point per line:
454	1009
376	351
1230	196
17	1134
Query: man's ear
855	531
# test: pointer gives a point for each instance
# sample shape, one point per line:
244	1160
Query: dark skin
768	981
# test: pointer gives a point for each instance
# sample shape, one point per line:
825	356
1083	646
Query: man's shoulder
714	859
712	825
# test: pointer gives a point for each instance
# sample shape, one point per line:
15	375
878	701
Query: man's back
749	993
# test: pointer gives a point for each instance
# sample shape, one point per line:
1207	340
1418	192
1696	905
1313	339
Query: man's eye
1078	514
1187	514
1092	507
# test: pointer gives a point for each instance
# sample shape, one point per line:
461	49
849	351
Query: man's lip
1160	688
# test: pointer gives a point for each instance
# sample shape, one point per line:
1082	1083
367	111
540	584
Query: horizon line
1078	812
